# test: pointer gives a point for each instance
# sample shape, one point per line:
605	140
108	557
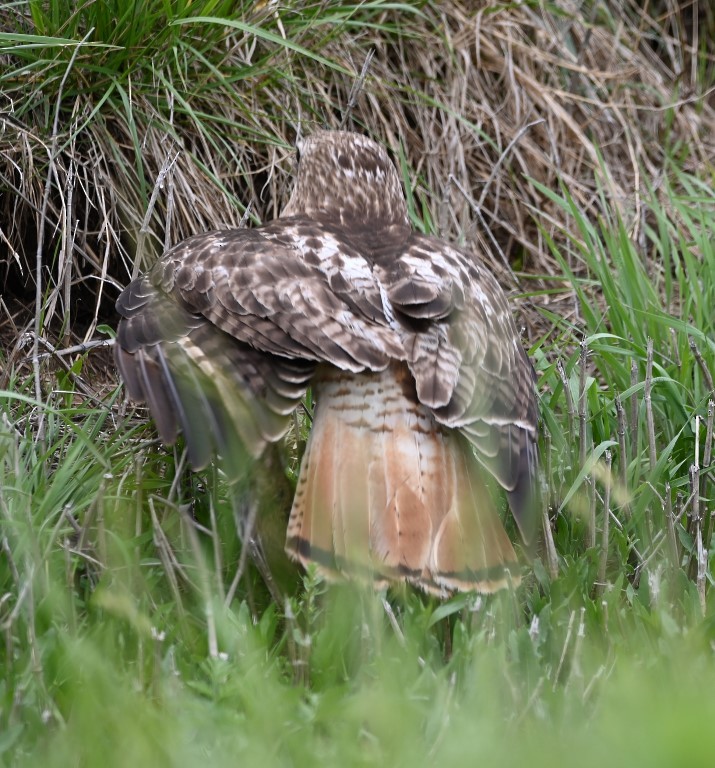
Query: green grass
127	636
120	648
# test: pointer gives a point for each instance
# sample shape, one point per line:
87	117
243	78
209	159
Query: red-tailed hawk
418	374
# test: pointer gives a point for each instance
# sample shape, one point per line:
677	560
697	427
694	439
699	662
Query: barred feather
421	383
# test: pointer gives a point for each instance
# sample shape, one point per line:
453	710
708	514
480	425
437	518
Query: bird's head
348	179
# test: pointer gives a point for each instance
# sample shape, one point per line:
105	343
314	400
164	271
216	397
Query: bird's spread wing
237	321
465	354
290	289
228	327
221	393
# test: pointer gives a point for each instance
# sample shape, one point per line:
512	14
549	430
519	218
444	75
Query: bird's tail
386	493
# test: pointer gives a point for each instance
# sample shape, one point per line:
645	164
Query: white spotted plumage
409	346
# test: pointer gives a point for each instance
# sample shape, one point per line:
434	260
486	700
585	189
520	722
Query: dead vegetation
104	164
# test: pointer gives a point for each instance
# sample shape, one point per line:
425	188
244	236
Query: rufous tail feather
385	492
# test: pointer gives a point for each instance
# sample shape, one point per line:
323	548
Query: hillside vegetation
570	146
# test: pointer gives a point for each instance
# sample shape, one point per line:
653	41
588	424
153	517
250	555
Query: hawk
422	388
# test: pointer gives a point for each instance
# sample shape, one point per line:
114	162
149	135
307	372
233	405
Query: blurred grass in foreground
127	642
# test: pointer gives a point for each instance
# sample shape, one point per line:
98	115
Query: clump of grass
126	131
638	388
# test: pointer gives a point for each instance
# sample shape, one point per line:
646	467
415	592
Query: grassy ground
575	150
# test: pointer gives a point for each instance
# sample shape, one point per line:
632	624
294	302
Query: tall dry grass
110	152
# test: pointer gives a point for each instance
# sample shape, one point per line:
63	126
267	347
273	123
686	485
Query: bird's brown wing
224	333
467	360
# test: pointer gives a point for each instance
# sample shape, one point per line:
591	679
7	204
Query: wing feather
275	294
467	359
228	327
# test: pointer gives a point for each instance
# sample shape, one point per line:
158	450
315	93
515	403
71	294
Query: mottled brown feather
421	381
